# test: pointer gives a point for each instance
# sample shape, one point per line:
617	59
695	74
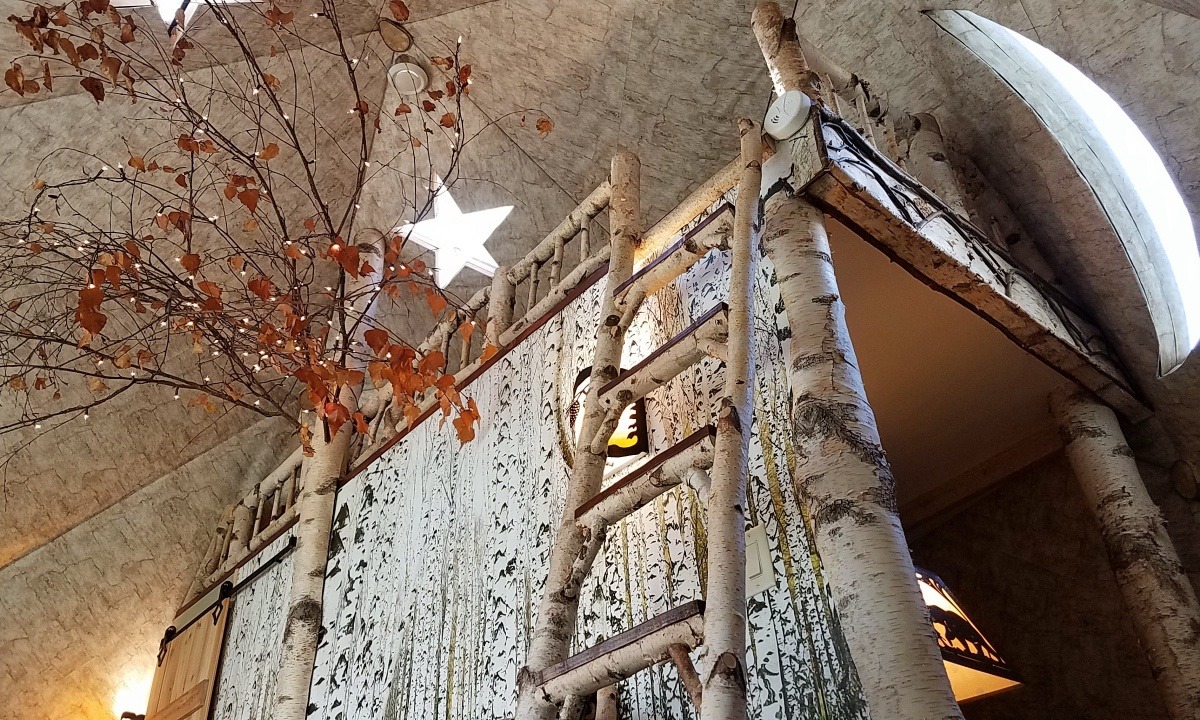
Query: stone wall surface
81	616
1029	567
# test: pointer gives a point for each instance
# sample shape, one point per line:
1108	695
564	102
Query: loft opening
1112	155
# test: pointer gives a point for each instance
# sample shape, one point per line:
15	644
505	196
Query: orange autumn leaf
433	362
190	262
93	86
436	302
249	198
270	152
376	339
464	426
262	287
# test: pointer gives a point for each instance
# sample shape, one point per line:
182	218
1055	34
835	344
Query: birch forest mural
439	550
254	636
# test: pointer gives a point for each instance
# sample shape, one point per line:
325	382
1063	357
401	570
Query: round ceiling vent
408	77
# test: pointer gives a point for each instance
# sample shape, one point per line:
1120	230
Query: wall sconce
630	438
132	695
975	669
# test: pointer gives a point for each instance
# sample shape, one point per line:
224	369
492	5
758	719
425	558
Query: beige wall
81	616
1029	566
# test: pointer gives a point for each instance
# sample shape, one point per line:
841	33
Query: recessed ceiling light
408	77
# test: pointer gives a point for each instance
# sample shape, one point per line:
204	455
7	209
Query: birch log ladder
554	685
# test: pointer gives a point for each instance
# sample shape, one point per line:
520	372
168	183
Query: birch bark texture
319	476
1156	591
929	161
842	471
845	480
318	488
725	608
841	468
559	606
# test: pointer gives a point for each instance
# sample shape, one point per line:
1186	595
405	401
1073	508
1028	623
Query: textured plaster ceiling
664	79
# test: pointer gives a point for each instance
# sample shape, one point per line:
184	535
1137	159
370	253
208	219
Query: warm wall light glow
1145	170
974	667
456	237
133	693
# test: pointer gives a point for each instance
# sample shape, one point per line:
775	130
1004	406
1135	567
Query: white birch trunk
725	596
319	476
781	50
500	306
842	471
559	605
1157	592
847	484
607	707
929	162
318	488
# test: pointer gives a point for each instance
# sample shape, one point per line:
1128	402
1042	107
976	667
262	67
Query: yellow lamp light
974	666
132	694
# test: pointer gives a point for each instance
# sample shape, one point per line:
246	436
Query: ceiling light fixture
408	77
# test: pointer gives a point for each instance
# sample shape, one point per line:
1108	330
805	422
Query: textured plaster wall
82	615
1029	567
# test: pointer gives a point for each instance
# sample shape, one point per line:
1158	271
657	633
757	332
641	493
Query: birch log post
725	594
929	162
558	610
607	707
842	473
318	486
781	49
500	306
315	504
844	478
1157	593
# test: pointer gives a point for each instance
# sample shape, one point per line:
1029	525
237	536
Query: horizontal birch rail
448	325
661	473
656	238
556	295
630	652
250	523
712	233
578	219
706	336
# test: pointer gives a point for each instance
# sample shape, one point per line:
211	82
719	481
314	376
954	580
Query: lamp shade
974	666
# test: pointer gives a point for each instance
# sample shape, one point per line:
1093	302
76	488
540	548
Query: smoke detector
408	77
787	114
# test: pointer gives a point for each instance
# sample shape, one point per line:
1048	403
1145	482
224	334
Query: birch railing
250	523
535	286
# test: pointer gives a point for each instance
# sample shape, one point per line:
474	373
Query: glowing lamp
630	438
132	695
975	669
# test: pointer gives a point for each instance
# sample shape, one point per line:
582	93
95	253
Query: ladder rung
659	474
623	655
681	352
670	264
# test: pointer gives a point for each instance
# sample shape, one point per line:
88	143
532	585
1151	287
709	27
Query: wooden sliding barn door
184	681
